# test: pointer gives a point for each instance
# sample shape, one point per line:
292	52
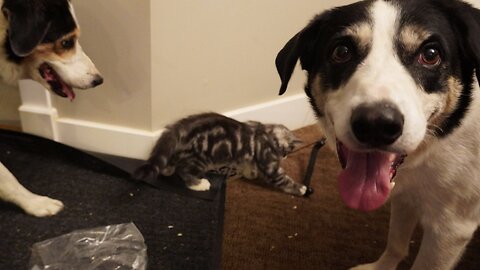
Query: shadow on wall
9	103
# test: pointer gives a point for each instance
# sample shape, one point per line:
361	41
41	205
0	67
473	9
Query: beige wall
116	36
219	55
164	59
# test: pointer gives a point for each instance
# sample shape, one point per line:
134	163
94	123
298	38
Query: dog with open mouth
39	41
394	85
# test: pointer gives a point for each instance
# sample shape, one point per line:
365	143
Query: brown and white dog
394	85
39	41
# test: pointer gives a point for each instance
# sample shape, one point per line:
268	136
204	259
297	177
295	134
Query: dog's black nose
97	81
378	124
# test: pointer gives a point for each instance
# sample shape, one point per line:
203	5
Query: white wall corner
39	117
39	121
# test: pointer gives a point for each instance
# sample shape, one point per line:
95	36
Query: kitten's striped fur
196	144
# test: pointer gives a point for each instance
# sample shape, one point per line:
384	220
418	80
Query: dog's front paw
201	185
42	206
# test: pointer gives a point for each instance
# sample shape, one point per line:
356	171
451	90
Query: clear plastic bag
119	247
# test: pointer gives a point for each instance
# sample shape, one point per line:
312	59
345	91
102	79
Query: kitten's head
284	138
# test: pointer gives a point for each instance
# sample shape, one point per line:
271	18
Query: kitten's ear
300	47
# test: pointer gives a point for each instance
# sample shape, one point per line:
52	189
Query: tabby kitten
199	143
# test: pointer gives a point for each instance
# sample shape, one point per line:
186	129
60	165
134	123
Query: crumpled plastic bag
119	247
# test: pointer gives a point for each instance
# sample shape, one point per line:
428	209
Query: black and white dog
39	41
395	89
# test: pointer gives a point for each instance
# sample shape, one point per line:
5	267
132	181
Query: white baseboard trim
292	111
106	139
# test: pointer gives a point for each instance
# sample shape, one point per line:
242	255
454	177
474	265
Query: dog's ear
467	21
287	59
300	47
27	25
473	39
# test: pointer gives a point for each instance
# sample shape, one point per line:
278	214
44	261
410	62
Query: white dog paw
202	185
42	206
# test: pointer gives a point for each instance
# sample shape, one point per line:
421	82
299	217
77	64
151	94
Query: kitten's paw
201	185
146	172
303	191
42	206
297	189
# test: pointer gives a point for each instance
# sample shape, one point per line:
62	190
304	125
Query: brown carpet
267	229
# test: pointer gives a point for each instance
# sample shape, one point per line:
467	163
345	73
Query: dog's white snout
78	71
378	124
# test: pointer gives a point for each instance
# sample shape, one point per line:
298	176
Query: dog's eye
430	56
341	54
68	43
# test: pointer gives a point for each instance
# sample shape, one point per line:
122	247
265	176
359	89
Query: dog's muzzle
366	179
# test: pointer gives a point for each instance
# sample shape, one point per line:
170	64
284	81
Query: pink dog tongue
365	182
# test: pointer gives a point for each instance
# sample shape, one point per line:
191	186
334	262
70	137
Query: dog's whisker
434	130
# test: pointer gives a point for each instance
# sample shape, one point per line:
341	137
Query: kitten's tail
158	163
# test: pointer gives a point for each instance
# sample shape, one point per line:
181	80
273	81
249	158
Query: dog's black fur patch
32	22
